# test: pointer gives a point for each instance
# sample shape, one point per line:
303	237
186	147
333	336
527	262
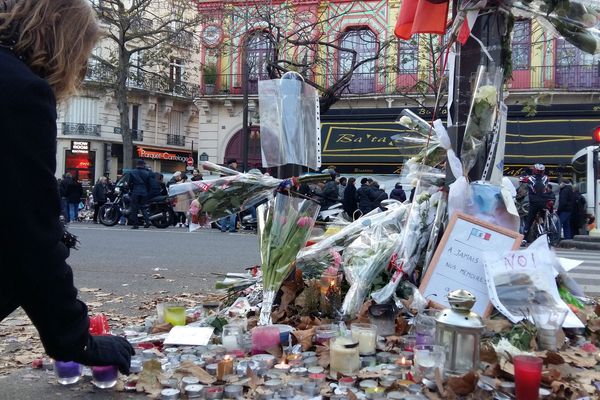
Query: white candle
366	336
344	356
230	342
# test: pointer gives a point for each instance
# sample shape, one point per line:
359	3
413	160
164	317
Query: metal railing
100	74
175	140
136	134
564	78
81	129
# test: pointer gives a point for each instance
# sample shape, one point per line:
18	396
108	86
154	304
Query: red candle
528	376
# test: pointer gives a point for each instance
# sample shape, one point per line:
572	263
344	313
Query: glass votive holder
425	326
105	377
169	394
325	332
264	338
428	358
344	357
528	377
67	372
366	336
383	316
174	314
408	343
230	338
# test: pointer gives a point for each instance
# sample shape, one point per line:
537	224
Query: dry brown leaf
593	324
553	357
161	328
275	351
304	338
578	358
464	384
351	396
150	377
487	353
254	381
88	290
550	375
498	325
363	313
189	368
402	326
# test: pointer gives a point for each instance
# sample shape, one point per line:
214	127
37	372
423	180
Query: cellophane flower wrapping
482	114
369	254
313	265
284	226
316	257
576	21
219	197
411	248
421	144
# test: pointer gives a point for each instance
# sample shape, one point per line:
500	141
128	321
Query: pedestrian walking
398	193
73	194
566	204
343	181
579	214
140	184
377	195
349	200
45	46
363	196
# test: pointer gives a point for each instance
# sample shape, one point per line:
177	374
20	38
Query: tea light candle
347	381
317	378
404	366
209	357
295	360
233	391
242	367
375	393
310	388
274	384
311	362
368	361
282	366
383	357
307	354
299	371
214	392
316	370
367	383
396	395
212	369
387	380
296	385
267	360
169	394
194	391
190	380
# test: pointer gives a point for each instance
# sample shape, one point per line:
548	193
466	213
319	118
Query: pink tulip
304	222
337	259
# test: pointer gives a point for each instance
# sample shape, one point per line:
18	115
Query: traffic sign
190	162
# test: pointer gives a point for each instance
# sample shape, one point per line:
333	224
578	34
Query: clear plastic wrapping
289	122
422	136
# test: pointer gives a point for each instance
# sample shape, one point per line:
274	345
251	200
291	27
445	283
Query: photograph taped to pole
458	260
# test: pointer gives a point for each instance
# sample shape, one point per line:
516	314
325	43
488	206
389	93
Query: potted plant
209	74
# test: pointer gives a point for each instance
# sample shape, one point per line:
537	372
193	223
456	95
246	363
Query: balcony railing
564	78
99	74
176	140
136	134
80	129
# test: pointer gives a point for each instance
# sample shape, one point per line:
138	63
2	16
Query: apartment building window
259	53
408	56
81	117
136	133
175	74
364	42
575	69
521	45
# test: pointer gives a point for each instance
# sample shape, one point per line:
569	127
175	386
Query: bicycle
547	223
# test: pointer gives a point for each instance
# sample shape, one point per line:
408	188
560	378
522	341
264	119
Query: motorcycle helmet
330	171
538	169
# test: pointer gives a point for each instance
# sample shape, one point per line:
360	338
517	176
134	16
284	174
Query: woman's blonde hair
54	37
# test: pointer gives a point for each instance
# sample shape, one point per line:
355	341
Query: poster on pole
458	260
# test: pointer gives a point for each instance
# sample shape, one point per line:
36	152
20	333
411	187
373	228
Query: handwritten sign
518	279
458	260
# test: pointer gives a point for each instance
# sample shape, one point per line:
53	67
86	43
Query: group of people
535	195
355	201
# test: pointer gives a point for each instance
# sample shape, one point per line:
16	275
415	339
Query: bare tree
142	36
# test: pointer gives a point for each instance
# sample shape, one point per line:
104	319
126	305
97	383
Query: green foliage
209	72
521	335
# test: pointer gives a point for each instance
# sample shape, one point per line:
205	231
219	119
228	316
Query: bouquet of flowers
423	138
233	192
284	225
368	255
482	115
315	264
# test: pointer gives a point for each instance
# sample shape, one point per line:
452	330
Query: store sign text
161	155
80	147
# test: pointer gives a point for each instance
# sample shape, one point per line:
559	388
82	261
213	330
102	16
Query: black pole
245	135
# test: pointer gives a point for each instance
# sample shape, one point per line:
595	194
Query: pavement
135	266
583	242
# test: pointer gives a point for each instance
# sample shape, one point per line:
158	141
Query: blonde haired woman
44	47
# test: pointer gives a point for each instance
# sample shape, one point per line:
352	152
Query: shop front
359	141
80	163
166	160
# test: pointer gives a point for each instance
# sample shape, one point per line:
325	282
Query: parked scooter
160	208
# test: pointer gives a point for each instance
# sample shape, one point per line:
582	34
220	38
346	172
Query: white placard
527	277
458	260
190	335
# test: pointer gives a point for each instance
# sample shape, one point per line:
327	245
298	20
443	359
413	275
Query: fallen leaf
304	338
550	375
161	328
578	358
402	326
498	325
189	368
553	357
150	377
464	384
275	351
487	353
87	290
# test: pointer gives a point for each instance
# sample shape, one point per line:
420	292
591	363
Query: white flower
406	121
423	197
487	93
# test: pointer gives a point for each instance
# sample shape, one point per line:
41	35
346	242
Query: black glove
108	350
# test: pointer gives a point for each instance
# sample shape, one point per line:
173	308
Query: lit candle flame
227	358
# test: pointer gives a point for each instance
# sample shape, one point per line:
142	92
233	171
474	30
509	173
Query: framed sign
458	260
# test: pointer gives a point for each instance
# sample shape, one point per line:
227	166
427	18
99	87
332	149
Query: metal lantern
459	330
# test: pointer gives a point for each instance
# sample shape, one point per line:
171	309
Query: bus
583	174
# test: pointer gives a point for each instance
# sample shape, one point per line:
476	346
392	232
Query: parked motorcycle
160	208
330	213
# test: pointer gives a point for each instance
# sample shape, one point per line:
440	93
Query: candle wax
230	342
344	359
366	339
528	376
